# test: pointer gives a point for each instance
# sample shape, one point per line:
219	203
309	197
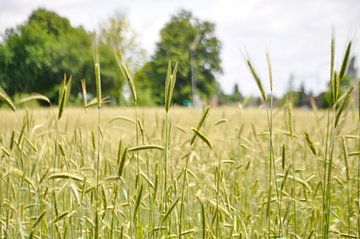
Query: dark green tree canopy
36	54
193	44
50	21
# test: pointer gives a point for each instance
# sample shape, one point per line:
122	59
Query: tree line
35	55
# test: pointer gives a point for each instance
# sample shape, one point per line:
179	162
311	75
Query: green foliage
294	97
184	39
234	97
36	54
326	100
339	82
144	84
116	33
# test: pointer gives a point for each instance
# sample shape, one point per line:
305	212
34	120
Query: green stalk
166	158
325	172
137	182
348	185
272	167
183	194
98	173
271	145
169	89
358	162
99	104
293	190
328	184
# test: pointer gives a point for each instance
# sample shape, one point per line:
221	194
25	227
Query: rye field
182	173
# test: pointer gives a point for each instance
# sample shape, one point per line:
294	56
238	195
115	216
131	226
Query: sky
296	33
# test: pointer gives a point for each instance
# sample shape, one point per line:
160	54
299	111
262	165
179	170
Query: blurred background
41	40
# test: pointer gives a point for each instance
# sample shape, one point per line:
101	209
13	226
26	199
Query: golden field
99	174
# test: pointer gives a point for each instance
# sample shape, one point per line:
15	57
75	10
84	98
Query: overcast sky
297	33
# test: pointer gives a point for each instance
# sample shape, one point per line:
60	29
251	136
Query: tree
236	96
117	33
326	98
302	96
36	54
192	43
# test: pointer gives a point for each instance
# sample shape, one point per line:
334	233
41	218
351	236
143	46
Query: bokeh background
296	33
